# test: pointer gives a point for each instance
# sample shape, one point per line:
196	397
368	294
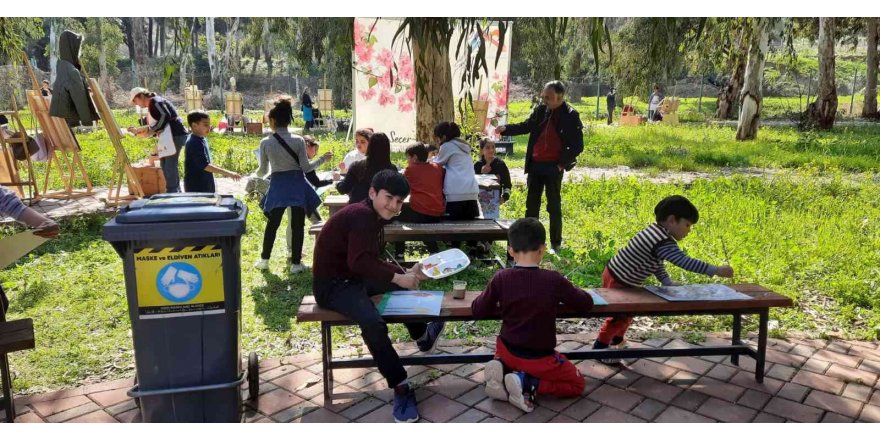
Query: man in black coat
555	141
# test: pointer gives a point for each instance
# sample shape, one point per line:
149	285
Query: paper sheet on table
697	292
597	299
16	246
411	302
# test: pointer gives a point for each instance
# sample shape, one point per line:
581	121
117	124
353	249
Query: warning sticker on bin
175	282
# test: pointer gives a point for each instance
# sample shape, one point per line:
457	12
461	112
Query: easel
62	145
10	176
234	109
122	166
669	111
193	98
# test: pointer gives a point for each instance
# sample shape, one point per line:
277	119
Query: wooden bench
14	336
335	202
621	302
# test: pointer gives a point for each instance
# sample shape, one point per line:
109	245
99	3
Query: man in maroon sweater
347	271
527	298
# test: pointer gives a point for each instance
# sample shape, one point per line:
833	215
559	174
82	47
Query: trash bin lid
177	216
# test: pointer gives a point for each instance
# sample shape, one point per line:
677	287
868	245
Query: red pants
558	376
613	327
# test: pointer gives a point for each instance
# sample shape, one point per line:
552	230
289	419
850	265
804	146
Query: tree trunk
869	110
150	48
267	52
730	92
434	102
823	110
224	65
129	40
212	59
53	49
102	58
140	47
751	97
257	53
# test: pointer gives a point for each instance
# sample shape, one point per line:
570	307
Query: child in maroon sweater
347	271
527	298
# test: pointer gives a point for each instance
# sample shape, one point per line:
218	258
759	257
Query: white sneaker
297	268
514	384
262	265
494	373
625	361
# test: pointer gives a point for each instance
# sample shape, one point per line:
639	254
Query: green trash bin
182	258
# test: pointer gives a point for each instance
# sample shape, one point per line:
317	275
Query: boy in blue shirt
198	169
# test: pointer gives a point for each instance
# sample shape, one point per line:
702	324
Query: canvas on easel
122	166
10	174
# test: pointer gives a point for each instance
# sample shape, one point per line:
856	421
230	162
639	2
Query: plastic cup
458	289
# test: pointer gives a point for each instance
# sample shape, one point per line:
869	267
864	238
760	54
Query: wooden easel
193	97
62	145
10	176
122	166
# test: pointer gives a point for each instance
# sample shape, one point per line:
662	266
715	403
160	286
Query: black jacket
570	129
71	99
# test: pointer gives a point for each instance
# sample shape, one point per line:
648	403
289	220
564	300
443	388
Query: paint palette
444	264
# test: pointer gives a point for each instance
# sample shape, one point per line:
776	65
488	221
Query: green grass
810	239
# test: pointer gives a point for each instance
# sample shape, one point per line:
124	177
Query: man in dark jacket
555	141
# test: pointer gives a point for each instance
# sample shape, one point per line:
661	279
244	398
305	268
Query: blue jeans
170	167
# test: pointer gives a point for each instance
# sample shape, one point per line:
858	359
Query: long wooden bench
621	302
487	230
14	336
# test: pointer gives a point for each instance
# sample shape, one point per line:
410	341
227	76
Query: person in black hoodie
555	141
491	164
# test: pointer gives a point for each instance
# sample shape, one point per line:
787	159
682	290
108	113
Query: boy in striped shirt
645	255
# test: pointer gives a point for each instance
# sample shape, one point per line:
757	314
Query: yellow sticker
174	282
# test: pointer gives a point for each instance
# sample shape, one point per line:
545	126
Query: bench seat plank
620	301
16	335
478	229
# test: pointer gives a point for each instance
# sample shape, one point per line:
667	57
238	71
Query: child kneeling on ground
528	297
645	255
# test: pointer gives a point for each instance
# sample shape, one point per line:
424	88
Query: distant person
654	104
357	181
198	171
645	255
45	90
489	163
611	103
307	110
528	298
285	154
433	150
555	140
361	140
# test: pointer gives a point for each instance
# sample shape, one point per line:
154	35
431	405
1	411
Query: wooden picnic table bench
621	302
15	336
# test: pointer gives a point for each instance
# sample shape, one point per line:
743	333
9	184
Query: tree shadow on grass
278	300
28	298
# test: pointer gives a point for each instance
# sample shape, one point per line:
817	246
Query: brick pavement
808	381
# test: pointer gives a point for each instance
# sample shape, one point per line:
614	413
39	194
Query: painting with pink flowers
384	97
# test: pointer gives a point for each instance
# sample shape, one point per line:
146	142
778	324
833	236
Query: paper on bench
697	292
14	247
411	302
597	299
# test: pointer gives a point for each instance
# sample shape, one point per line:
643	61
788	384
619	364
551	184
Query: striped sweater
645	253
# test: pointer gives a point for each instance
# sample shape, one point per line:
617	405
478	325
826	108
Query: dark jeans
546	175
297	223
463	210
610	114
410	216
352	299
170	168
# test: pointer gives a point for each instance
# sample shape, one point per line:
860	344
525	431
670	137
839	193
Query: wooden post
853	97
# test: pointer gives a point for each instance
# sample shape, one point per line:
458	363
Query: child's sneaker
428	341
494	373
262	265
625	361
521	390
404	410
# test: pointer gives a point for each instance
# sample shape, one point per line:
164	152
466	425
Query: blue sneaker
405	410
432	334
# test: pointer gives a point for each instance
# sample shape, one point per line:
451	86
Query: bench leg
736	339
327	357
762	346
8	403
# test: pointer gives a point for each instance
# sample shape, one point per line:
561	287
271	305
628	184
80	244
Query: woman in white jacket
459	185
